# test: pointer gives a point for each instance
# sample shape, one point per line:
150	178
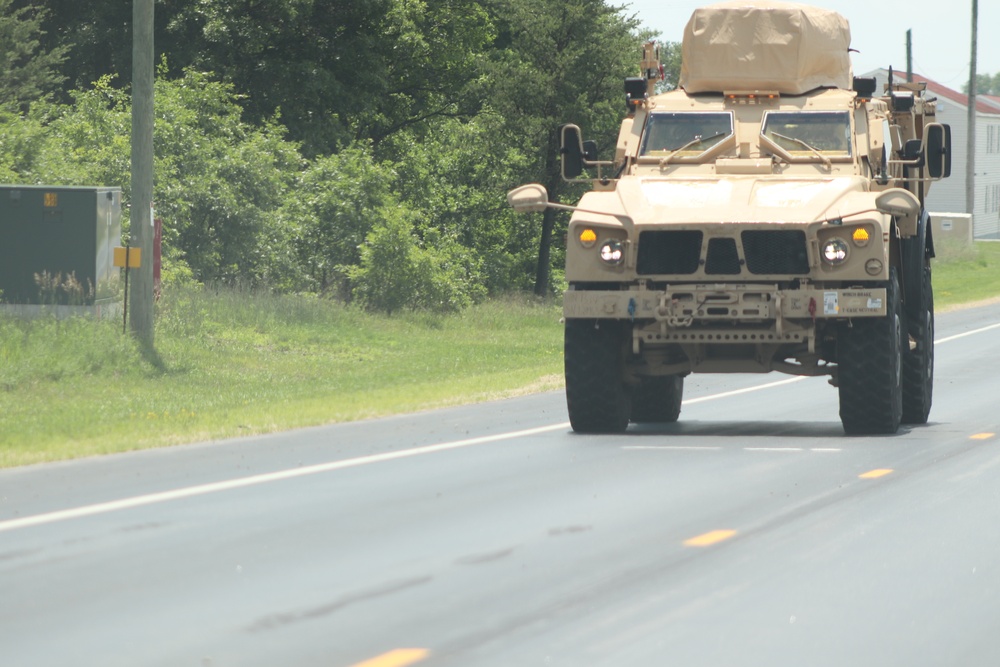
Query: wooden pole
970	158
141	223
909	56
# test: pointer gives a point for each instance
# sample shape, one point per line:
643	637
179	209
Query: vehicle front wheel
869	362
594	355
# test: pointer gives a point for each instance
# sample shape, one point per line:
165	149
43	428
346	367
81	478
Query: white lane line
215	487
967	333
747	390
672	447
773	449
253	480
696	448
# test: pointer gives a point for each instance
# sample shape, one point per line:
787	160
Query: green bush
397	273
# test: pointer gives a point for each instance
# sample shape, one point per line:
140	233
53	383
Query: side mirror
937	147
529	198
914	150
571	148
590	151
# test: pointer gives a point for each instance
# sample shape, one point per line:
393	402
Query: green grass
230	363
966	275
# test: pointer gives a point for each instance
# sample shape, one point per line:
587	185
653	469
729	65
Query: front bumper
683	305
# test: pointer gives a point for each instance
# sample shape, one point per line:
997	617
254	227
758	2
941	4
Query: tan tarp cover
765	45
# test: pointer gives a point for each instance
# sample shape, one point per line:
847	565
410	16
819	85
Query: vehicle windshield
691	133
804	133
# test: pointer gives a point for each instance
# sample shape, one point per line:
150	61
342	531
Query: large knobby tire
918	363
596	396
869	361
657	400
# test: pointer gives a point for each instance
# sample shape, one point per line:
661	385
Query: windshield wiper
826	161
665	160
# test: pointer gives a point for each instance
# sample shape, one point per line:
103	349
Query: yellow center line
878	472
397	658
709	538
982	436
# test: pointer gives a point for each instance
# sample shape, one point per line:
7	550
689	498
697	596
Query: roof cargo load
765	45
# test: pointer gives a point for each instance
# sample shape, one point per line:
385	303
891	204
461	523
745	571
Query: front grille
671	252
722	259
765	252
775	251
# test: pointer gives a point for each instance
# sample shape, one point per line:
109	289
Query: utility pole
909	56
970	158
141	219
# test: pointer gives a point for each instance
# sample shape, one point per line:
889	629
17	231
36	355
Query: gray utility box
67	235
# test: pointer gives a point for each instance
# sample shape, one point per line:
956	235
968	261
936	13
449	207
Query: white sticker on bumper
830	303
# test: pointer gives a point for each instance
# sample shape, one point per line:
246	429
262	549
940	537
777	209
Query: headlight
612	252
835	251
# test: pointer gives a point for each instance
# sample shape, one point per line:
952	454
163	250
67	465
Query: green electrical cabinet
56	244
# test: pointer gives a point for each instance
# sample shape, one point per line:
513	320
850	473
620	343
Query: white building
949	195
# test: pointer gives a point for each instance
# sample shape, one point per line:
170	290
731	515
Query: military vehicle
766	215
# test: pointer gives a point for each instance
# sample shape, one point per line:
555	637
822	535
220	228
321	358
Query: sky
942	32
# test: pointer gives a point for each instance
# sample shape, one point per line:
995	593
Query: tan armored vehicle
767	215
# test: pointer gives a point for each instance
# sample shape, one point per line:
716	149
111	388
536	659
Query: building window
992	198
993	138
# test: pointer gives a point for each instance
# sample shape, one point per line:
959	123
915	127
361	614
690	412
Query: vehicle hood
659	201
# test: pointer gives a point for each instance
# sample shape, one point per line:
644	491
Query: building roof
987	104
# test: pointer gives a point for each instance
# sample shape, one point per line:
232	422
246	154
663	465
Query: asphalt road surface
753	532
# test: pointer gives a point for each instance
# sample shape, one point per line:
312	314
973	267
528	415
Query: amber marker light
860	237
588	237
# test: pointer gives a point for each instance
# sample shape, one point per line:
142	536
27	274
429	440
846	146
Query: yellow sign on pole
134	257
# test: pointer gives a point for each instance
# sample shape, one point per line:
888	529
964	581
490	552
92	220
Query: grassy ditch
231	363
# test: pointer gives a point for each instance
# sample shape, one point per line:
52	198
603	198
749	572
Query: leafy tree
312	59
452	176
28	71
220	179
97	37
22	141
338	70
429	69
986	84
330	211
670	56
559	61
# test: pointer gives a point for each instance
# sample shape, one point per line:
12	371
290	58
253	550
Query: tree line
360	149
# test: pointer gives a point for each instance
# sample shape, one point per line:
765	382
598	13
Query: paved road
751	533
